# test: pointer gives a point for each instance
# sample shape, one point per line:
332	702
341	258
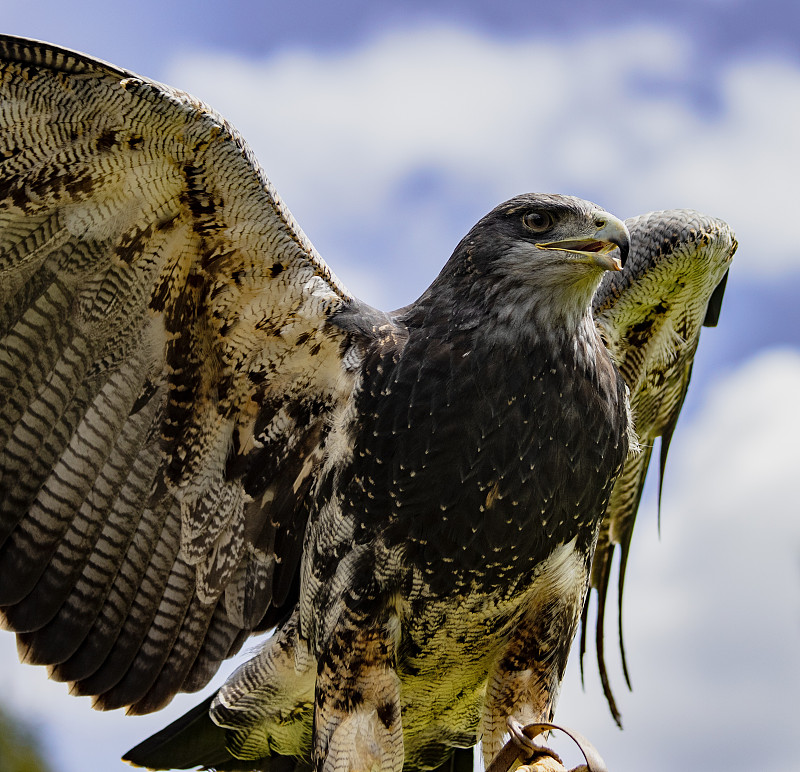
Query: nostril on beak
600	222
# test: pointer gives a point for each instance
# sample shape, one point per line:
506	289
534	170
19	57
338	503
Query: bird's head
539	253
560	235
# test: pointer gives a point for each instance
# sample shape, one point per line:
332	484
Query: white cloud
471	106
341	134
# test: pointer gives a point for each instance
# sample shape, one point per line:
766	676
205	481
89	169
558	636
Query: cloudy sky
390	128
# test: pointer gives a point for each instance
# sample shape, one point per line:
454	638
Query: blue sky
389	129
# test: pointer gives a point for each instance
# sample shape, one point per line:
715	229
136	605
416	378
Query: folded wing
650	316
166	369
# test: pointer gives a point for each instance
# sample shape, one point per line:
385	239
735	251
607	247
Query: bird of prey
203	435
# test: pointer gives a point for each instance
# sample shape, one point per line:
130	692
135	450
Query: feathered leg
526	677
357	726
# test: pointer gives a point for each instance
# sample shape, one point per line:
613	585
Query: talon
521	742
530	749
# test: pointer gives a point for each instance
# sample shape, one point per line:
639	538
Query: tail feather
193	740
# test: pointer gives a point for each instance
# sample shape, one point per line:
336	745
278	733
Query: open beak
611	234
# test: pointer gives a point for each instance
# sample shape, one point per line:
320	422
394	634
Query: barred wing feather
166	368
650	316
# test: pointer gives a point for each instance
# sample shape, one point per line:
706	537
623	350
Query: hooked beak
611	234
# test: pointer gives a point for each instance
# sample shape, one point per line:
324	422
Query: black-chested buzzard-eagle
204	435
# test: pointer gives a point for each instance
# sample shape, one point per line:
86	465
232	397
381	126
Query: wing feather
650	316
167	367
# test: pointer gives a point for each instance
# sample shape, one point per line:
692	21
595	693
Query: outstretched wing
166	368
650	316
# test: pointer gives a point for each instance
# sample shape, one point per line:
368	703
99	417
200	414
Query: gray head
550	230
537	253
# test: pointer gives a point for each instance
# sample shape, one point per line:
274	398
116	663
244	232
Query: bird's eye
537	222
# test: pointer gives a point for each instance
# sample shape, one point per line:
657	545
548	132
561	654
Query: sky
389	129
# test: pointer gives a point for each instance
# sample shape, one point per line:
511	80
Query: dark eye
537	222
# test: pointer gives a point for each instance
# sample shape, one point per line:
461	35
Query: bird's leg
525	679
357	726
